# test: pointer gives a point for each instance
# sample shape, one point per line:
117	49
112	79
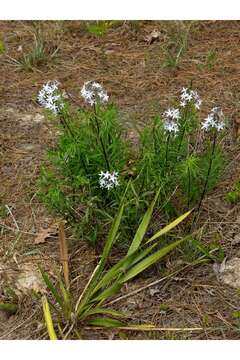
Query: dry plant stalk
64	254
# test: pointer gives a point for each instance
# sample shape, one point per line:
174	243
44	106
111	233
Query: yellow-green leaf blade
150	260
142	227
170	226
48	319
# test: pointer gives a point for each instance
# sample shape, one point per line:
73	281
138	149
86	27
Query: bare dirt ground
131	69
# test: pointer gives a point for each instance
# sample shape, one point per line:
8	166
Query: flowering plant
92	163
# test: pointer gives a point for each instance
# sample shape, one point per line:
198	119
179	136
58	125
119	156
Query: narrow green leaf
170	226
50	286
143	227
121	267
10	308
106	322
150	260
48	319
115	287
104	311
111	238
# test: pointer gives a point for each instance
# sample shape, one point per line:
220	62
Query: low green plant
100	27
233	196
88	169
39	54
90	309
2	47
177	44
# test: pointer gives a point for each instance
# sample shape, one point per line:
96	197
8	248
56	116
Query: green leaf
106	250
100	310
115	287
10	308
53	290
121	267
106	322
170	226
48	319
150	260
142	227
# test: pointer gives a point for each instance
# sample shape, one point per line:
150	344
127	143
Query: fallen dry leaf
154	35
46	233
29	279
230	274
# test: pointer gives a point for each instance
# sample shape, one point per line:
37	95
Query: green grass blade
143	227
150	260
53	290
104	311
121	267
111	238
9	308
48	319
106	322
110	291
170	226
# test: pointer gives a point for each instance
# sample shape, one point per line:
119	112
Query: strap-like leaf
142	227
122	266
169	227
53	290
48	319
150	260
106	322
100	310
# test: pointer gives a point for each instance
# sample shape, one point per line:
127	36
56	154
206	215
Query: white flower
172	114
93	92
108	180
49	98
214	120
171	127
188	95
170	124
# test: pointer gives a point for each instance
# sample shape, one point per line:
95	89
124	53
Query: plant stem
207	177
189	187
166	154
66	126
100	138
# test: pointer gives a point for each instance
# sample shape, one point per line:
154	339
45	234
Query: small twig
13	218
85	289
149	328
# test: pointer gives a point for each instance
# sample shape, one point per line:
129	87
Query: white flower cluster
188	95
49	98
170	123
108	180
214	120
93	92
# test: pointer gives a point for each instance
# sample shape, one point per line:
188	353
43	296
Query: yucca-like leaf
150	260
106	322
48	319
99	310
107	248
170	226
110	291
52	288
121	267
142	227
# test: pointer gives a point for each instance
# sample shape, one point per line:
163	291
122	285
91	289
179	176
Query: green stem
67	127
189	187
166	154
100	139
207	177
